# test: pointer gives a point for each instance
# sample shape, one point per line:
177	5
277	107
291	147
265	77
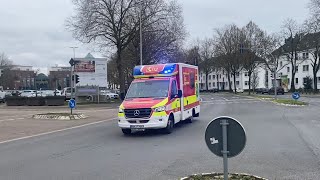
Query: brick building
59	77
18	78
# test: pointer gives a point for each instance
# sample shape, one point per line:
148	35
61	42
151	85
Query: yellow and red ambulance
160	96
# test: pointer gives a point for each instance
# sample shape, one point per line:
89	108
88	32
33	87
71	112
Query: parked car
280	90
28	93
239	90
66	92
109	95
2	97
262	91
214	90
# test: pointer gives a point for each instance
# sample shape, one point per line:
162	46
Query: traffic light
77	79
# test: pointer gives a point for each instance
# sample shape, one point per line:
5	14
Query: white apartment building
304	69
219	80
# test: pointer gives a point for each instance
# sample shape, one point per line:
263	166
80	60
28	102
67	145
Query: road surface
282	143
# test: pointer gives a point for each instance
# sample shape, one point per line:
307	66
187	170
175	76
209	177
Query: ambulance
159	97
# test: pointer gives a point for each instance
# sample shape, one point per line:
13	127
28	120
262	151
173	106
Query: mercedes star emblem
136	113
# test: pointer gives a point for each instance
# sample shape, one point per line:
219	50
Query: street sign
225	137
72	103
295	95
236	137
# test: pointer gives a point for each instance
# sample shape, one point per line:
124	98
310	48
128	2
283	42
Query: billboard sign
85	66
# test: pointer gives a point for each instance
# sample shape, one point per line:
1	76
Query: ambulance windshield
148	89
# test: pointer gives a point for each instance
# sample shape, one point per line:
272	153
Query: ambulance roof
157	70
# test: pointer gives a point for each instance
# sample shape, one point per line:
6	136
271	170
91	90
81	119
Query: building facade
219	80
59	77
18	78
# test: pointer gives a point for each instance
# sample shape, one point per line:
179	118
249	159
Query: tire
169	128
126	131
194	113
189	120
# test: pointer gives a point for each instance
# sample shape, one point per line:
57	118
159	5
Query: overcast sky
33	32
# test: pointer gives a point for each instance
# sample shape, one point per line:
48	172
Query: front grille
138	121
138	113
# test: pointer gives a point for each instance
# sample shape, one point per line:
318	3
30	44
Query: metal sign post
225	137
72	104
224	123
296	96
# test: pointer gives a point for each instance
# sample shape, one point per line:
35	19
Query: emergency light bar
155	70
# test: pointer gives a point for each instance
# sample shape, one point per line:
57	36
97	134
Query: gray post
98	95
140	37
225	151
275	84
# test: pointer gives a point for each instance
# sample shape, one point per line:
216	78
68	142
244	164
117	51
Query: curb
221	174
59	117
289	105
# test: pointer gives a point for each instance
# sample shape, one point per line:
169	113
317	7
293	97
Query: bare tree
271	53
4	61
251	46
294	34
115	23
228	41
254	80
312	39
206	64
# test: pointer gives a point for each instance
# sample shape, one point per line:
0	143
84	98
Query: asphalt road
283	143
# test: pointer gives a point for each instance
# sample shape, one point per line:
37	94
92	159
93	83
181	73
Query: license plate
136	126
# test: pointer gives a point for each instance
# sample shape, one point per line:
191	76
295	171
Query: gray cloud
33	32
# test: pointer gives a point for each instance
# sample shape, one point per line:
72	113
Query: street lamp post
140	31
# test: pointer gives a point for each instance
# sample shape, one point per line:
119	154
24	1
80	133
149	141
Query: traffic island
59	116
219	176
289	102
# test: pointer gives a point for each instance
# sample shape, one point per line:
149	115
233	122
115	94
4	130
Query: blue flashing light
169	68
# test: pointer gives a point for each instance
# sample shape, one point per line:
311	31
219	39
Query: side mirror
179	93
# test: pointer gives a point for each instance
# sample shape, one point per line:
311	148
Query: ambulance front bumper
157	122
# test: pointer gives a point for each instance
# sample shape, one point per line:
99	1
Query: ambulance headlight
121	110
159	109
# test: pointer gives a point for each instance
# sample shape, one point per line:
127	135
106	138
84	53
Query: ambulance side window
174	90
192	80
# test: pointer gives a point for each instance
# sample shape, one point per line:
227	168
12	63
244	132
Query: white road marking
224	99
7	120
55	131
20	118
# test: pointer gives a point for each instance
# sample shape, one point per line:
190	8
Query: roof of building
302	42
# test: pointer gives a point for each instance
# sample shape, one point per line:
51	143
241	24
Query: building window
220	76
280	74
318	79
305	55
213	84
288	81
209	85
297	68
222	71
237	83
246	83
227	83
305	80
213	76
288	69
209	77
297	81
246	74
237	74
281	64
204	77
305	67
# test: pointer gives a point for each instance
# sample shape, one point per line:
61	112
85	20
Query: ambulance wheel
170	124
189	120
126	131
194	113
